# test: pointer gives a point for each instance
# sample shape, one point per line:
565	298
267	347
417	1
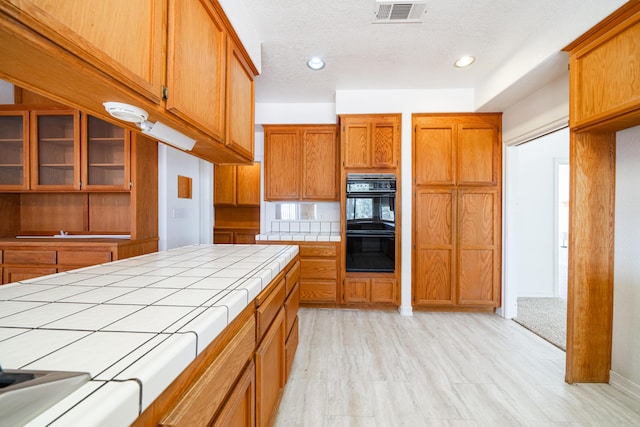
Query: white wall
534	237
625	358
6	92
183	221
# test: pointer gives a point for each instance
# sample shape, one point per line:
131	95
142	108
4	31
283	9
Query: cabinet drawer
290	347
83	258
29	257
291	307
318	269
292	277
16	274
318	251
268	310
319	292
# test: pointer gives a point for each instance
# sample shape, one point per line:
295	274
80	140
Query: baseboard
621	383
405	310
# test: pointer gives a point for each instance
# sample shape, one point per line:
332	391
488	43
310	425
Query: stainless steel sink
25	394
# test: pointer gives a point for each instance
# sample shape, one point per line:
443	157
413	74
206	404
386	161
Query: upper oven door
362	208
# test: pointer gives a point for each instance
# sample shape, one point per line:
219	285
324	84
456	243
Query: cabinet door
239	409
356	137
223	237
248	185
479	232
14	146
105	155
270	371
196	53
434	256
356	290
384	143
478	154
120	37
16	274
319	165
240	103
55	150
384	291
245	237
224	185
434	152
282	164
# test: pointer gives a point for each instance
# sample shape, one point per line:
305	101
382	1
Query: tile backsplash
298	217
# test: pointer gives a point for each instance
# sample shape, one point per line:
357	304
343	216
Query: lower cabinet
238	380
370	291
319	273
239	410
270	371
235	236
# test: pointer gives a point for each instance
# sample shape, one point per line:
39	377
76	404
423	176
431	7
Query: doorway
537	234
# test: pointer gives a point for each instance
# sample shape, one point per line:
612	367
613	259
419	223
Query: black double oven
371	223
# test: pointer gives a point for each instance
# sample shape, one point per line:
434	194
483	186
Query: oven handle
370	195
390	234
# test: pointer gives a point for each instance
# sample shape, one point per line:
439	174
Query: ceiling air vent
390	12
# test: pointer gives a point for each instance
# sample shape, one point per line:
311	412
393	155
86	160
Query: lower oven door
371	252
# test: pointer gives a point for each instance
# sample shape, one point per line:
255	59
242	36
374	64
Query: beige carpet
546	317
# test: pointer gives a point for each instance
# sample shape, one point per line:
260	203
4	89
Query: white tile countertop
133	324
299	237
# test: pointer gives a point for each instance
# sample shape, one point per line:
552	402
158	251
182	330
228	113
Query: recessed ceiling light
464	61
315	63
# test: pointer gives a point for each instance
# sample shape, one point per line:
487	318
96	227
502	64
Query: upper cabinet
604	67
370	141
179	60
105	155
240	102
121	37
62	150
236	185
456	149
55	150
301	162
14	146
196	53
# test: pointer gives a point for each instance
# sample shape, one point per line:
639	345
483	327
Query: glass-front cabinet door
105	155
55	147
14	150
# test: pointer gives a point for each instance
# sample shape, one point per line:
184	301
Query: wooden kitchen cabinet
127	45
236	185
153	57
301	162
370	141
270	371
240	102
457	150
240	407
319	273
458	213
196	53
368	290
105	154
14	146
55	149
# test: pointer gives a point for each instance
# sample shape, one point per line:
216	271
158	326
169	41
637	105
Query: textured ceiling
363	55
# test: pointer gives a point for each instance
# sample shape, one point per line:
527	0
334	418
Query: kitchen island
138	324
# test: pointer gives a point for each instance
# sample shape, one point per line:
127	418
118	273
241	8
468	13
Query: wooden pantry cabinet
457	210
151	55
301	162
370	141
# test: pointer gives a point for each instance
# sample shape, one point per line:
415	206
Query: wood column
591	243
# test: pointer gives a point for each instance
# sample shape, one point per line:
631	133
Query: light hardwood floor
377	368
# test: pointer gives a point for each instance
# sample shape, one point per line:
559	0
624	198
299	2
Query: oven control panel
374	183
